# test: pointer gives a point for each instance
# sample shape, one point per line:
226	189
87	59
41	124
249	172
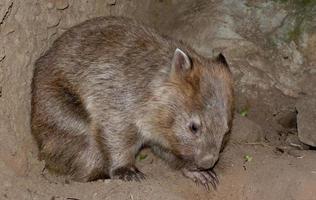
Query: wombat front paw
202	177
128	174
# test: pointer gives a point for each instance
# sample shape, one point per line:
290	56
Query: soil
247	170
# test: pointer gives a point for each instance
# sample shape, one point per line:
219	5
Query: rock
311	48
245	130
309	82
306	120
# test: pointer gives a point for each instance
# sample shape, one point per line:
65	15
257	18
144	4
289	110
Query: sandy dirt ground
247	170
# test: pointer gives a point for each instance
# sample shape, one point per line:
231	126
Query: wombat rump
109	86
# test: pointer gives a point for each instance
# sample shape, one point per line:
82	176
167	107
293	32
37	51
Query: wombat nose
207	161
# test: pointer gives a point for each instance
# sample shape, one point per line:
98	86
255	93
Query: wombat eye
194	127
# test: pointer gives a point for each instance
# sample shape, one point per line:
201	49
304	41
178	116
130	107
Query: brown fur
109	86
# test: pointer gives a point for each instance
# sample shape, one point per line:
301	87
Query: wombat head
193	110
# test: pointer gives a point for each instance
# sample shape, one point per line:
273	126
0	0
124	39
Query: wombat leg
171	159
123	149
202	177
61	126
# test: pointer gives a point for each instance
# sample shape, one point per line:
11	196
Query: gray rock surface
306	108
306	121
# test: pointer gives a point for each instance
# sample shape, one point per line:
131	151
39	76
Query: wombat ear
221	59
180	61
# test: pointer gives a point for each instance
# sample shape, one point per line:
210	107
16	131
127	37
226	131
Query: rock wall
269	44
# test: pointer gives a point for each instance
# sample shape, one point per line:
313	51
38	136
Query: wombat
110	86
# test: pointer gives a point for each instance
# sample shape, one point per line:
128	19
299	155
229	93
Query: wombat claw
128	174
202	177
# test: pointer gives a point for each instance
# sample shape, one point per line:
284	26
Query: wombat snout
207	161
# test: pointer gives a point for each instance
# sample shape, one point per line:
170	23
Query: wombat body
109	86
